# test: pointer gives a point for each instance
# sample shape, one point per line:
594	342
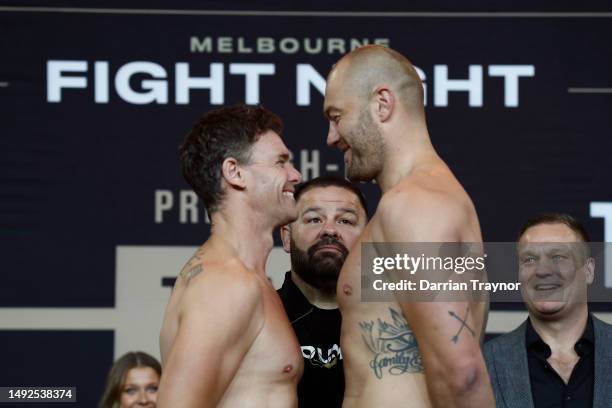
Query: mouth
288	194
545	287
328	247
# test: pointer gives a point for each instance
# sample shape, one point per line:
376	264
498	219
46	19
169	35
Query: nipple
287	368
346	288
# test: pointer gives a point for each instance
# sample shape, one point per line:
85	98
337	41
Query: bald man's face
352	128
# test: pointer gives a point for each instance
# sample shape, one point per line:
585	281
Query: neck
316	297
562	334
411	150
250	240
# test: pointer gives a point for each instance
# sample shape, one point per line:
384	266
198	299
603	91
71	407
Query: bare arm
448	332
220	318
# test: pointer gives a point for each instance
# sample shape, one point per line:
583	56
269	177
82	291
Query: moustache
328	242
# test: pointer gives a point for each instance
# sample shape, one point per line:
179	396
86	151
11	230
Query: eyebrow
341	209
548	251
328	111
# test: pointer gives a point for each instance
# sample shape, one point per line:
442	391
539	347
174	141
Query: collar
293	299
534	342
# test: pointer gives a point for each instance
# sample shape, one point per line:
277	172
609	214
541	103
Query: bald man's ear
285	233
233	173
385	103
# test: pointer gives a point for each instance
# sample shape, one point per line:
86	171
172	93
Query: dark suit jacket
506	358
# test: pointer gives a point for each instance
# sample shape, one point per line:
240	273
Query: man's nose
543	269
329	230
332	135
295	176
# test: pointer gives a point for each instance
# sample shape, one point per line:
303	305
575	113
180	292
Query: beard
320	269
367	149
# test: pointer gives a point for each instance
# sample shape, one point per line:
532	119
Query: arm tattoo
394	346
188	274
463	321
192	268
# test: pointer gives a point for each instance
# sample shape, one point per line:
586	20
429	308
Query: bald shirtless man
402	353
226	340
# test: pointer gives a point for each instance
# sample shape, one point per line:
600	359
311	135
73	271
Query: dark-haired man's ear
285	233
233	173
385	103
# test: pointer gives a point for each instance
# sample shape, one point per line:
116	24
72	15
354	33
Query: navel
347	289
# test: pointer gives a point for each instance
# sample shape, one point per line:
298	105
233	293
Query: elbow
464	377
467	380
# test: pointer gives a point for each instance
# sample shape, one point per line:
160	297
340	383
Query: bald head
362	71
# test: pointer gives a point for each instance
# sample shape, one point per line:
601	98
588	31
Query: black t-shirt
318	332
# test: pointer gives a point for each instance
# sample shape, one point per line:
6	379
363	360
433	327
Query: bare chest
276	351
563	365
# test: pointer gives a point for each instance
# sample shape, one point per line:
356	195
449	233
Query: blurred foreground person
132	382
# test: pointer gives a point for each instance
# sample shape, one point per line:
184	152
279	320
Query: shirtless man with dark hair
226	340
402	353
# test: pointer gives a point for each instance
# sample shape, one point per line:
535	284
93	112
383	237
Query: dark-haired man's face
272	178
330	220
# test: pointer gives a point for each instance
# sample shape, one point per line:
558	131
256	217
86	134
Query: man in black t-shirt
331	215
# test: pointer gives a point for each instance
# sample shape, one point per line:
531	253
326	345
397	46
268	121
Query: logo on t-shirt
318	358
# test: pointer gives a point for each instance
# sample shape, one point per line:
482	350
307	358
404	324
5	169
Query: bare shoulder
221	283
426	209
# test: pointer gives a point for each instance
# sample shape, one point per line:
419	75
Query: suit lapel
602	393
513	370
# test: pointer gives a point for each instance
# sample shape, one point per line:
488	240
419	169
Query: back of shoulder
413	212
418	197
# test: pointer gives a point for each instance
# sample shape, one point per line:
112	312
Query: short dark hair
219	134
556	218
331	181
118	374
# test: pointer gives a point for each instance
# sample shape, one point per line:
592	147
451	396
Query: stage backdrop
96	220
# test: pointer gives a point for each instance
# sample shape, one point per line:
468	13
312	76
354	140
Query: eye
528	260
314	220
130	391
558	258
152	389
346	222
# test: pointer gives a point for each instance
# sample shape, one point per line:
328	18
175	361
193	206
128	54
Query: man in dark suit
561	356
